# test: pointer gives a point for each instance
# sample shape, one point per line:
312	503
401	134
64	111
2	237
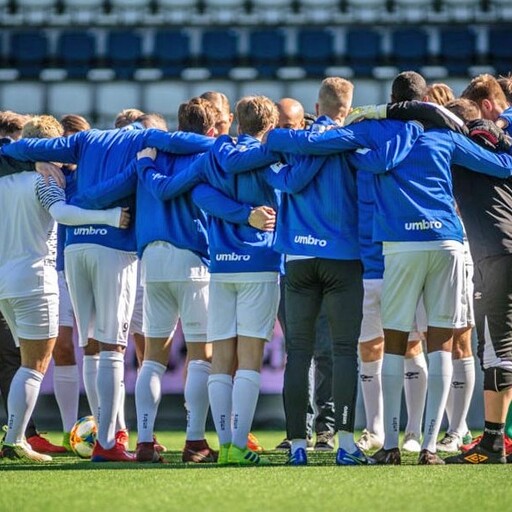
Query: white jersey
27	266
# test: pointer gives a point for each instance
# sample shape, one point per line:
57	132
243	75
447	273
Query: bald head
291	114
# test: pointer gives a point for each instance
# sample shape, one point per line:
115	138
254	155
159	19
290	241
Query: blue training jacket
414	200
101	155
235	170
320	219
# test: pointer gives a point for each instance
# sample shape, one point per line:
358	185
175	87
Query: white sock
21	402
370	375
461	392
439	379
110	376
298	443
90	376
246	390
148	392
220	391
392	384
121	420
196	398
346	441
67	389
415	388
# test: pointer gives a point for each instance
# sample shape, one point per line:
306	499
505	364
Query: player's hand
49	170
488	135
366	112
263	218
124	220
147	153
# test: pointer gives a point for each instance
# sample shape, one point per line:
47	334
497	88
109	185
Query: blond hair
42	127
335	96
256	115
127	116
440	94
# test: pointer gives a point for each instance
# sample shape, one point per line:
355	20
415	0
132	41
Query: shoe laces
448	438
324	437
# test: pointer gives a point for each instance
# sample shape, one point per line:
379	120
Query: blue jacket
321	218
236	171
414	200
100	155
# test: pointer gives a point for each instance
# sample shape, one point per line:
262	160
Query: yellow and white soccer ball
83	436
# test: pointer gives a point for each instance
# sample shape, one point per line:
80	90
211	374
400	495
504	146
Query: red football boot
41	445
115	454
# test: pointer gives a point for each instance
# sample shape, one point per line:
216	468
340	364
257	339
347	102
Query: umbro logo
366	378
476	458
458	385
411	375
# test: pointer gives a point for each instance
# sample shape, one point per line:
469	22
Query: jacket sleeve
292	178
470	155
215	203
109	191
11	166
165	187
180	143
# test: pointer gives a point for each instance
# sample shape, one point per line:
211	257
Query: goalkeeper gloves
488	135
367	112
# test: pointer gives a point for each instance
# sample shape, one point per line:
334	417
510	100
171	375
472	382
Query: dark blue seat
363	51
28	52
219	51
500	50
76	52
171	52
315	51
409	49
267	51
124	53
457	50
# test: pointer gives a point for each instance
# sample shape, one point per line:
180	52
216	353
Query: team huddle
382	217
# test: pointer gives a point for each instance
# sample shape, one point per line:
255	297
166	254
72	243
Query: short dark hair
408	86
506	86
197	116
256	115
466	109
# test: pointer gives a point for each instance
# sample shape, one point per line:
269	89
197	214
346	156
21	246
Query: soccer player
323	262
244	284
221	102
101	261
29	297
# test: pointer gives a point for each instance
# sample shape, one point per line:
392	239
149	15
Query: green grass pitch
69	484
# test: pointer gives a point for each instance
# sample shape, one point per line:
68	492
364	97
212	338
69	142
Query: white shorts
467	292
438	274
102	284
166	302
32	318
137	316
246	309
66	314
371	327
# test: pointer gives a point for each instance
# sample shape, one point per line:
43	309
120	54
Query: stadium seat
35	11
266	51
111	98
272	10
366	11
164	97
24	97
461	10
273	89
500	50
70	98
224	11
177	11
315	51
319	10
76	52
219	51
414	10
83	11
305	91
29	52
409	49
457	50
363	51
171	51
124	52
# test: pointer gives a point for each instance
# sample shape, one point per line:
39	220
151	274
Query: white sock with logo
461	392
121	420
392	384
148	392
246	390
196	398
21	401
67	391
370	376
440	370
220	391
415	388
90	376
110	376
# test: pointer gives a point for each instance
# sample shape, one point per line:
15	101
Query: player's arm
234	159
165	187
53	199
107	192
216	204
60	149
180	143
9	166
292	178
389	153
468	154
